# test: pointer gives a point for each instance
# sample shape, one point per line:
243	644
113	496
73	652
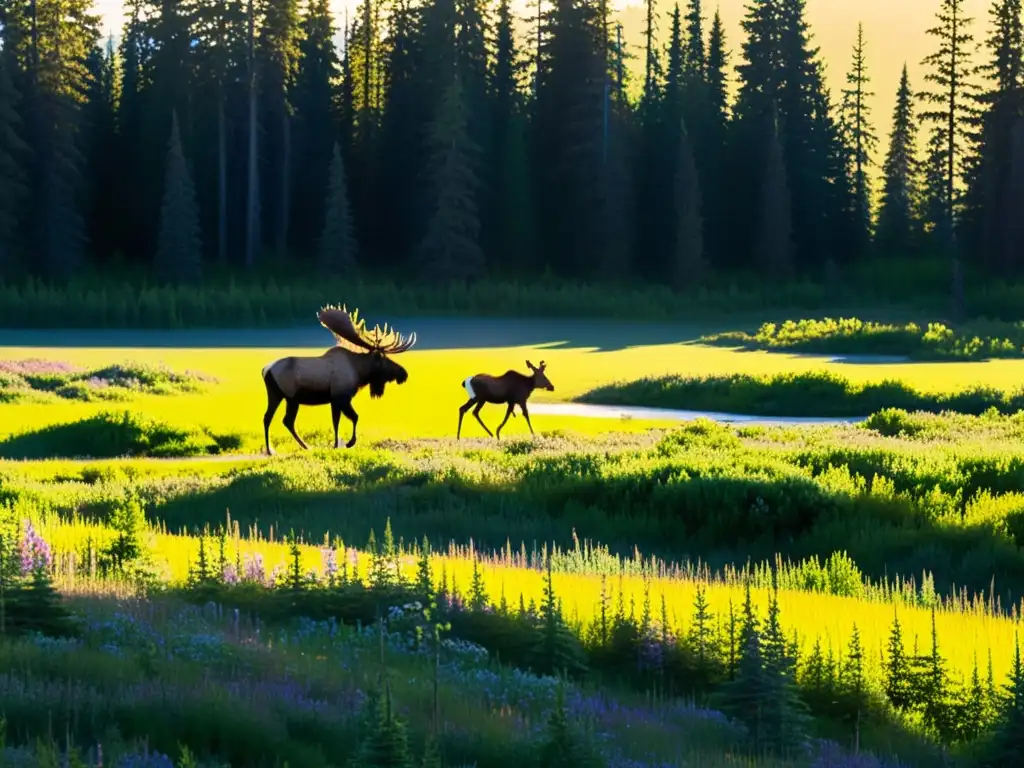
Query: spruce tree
450	247
988	197
13	188
950	107
387	745
898	230
688	253
861	136
774	235
898	683
337	245
179	250
1007	742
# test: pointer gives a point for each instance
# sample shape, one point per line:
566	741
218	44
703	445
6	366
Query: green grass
246	301
110	434
851	336
813	394
54	380
903	495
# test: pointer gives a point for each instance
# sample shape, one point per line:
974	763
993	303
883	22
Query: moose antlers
346	326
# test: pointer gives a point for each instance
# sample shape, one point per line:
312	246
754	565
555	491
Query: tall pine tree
898	231
179	249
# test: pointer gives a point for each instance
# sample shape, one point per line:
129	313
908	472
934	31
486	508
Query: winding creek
587	410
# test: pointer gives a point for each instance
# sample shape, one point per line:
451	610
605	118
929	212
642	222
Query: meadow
617	589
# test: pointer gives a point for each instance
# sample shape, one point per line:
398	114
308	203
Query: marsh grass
978	340
54	380
806	394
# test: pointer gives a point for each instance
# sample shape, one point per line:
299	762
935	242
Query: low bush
52	379
812	394
978	340
111	434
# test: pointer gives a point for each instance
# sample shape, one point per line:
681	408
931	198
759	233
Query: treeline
434	145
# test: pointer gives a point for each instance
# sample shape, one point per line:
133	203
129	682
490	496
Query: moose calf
511	388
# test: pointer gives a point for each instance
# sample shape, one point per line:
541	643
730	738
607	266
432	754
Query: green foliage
450	248
337	245
179	253
816	394
44	380
979	340
110	434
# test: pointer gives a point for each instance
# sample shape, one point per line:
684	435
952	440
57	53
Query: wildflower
33	551
254	570
231	574
330	562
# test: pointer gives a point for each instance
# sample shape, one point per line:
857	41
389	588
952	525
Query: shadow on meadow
432	333
701	492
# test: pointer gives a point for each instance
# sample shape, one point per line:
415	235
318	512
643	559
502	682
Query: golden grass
965	636
427	405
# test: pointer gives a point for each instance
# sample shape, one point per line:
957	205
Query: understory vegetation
978	340
811	394
112	434
247	301
49	380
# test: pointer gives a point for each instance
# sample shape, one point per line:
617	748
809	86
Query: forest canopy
437	143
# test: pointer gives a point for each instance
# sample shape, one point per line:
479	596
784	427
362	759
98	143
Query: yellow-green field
427	405
967	634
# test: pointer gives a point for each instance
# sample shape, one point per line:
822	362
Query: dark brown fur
511	388
333	378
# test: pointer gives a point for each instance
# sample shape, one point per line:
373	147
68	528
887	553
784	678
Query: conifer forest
458	139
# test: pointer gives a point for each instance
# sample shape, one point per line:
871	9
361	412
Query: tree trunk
283	222
252	223
222	184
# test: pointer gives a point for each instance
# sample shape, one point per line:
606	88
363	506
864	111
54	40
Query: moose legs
476	413
291	410
508	413
339	406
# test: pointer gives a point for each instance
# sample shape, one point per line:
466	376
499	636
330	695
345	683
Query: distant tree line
436	145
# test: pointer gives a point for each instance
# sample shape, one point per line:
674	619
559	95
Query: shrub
110	434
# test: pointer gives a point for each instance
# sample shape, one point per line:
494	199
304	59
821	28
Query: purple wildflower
253	569
330	562
33	550
231	574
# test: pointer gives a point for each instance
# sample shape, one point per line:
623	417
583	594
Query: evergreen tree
898	223
387	745
277	69
13	154
450	247
101	155
1007	742
988	198
898	684
509	238
179	249
337	245
688	253
315	131
775	245
950	110
695	59
856	118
